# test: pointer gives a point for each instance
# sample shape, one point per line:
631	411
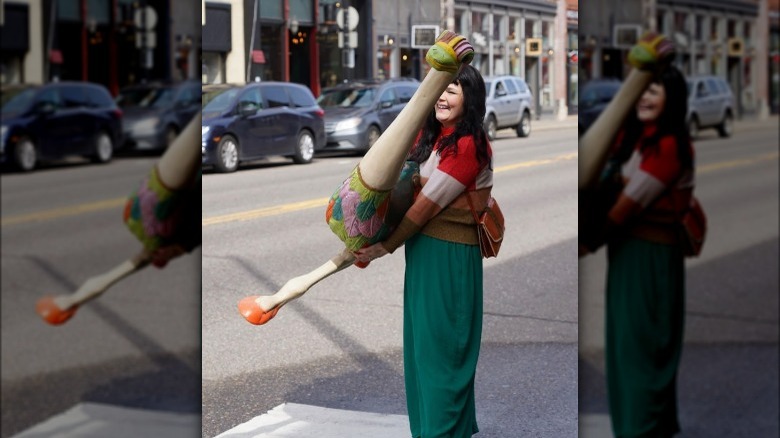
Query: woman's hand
166	222
162	255
370	253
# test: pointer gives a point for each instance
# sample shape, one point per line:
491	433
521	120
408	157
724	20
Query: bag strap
471	206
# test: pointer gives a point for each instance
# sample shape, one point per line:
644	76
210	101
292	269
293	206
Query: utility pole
348	56
561	59
762	59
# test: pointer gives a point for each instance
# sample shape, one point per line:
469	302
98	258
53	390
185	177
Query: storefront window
212	68
513	29
68	10
100	11
302	10
714	29
698	31
462	22
270	9
499	27
10	70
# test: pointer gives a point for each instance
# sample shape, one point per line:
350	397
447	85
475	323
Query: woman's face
651	104
449	107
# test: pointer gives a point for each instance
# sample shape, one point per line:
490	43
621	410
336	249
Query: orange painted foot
253	313
362	265
51	313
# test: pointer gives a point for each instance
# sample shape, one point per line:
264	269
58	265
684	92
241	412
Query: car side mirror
386	104
247	108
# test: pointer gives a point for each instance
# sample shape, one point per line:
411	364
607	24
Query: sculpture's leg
175	170
356	211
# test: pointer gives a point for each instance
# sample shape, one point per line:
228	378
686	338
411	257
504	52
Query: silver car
710	105
508	105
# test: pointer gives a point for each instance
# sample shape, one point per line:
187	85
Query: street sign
151	40
533	47
151	18
353	18
353	39
348	58
424	35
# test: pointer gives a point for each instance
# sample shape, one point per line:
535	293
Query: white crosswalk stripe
291	420
95	420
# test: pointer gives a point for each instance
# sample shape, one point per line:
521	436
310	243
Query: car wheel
373	136
25	154
304	151
524	128
170	135
693	127
726	127
227	155
104	148
491	127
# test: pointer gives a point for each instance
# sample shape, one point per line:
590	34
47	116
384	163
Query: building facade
111	42
223	58
718	37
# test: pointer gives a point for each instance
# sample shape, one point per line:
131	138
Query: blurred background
729	53
92	92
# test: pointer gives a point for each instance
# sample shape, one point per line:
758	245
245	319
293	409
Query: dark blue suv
56	120
258	120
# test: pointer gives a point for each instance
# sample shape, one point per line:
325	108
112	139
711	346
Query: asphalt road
138	345
339	346
728	380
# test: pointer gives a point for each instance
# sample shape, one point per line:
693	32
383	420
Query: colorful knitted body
361	216
159	216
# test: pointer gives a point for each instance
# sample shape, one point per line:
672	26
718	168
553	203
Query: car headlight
354	122
204	130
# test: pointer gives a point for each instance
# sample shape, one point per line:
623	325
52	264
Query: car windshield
209	95
596	94
350	97
17	100
152	97
219	100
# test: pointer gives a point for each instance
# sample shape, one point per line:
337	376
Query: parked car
710	105
57	120
594	97
155	113
258	120
508	105
357	113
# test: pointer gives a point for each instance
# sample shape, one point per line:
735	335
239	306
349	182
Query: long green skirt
442	333
644	330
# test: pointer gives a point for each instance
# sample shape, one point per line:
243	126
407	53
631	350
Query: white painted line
291	420
94	420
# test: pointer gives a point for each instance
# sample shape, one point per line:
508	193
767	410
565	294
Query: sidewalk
94	420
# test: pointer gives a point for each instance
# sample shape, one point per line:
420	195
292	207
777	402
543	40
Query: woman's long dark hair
470	125
671	122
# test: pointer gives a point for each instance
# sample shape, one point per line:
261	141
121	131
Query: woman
443	280
646	273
